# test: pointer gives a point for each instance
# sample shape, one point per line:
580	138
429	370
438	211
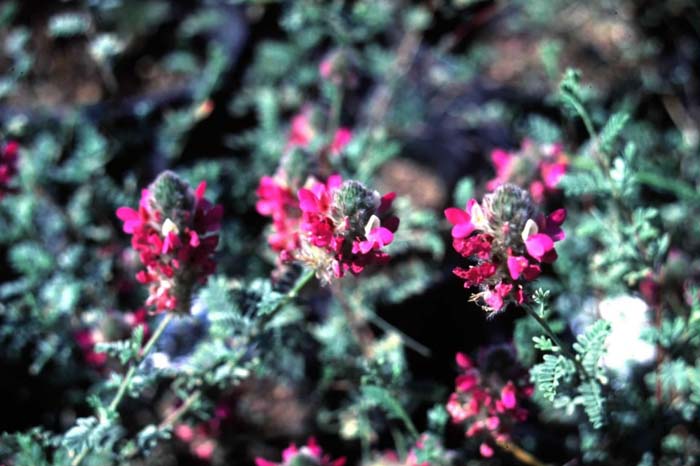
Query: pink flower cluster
539	167
87	338
311	452
201	438
486	411
507	239
333	227
8	166
277	199
302	134
174	232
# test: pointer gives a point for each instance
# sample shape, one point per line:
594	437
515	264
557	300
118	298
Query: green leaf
381	397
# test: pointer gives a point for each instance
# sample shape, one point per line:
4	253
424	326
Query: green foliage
375	396
590	347
125	350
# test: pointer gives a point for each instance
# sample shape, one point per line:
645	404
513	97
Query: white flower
628	317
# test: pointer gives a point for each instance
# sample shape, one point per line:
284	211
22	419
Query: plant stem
126	381
180	411
519	453
298	286
142	355
550	333
410	342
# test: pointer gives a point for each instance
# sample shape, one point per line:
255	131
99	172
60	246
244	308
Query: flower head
302	134
540	167
174	231
334	227
507	240
486	406
310	454
8	166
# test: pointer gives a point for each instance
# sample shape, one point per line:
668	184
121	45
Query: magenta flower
537	167
506	240
461	220
488	408
86	339
301	132
8	166
333	227
276	200
311	452
520	265
175	239
341	138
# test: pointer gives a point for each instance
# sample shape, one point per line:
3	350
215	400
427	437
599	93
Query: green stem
550	333
412	343
291	294
294	292
126	381
142	355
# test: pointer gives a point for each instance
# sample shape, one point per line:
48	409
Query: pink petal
456	216
383	235
538	245
205	450
532	271
558	216
264	462
508	396
465	382
494	300
493	422
334	181
463	361
552	174
485	450
501	159
127	213
365	246
537	191
289	452
462	230
199	192
307	201
516	265
194	239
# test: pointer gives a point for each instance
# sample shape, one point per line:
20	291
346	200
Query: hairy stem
126	381
550	333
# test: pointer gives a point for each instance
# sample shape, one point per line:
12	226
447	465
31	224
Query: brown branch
519	453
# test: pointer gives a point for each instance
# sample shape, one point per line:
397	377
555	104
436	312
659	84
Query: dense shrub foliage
332	233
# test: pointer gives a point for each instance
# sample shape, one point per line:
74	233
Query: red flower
174	232
507	239
333	227
341	138
86	340
538	167
311	451
8	166
485	410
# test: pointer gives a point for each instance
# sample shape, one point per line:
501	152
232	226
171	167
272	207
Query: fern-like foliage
550	374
